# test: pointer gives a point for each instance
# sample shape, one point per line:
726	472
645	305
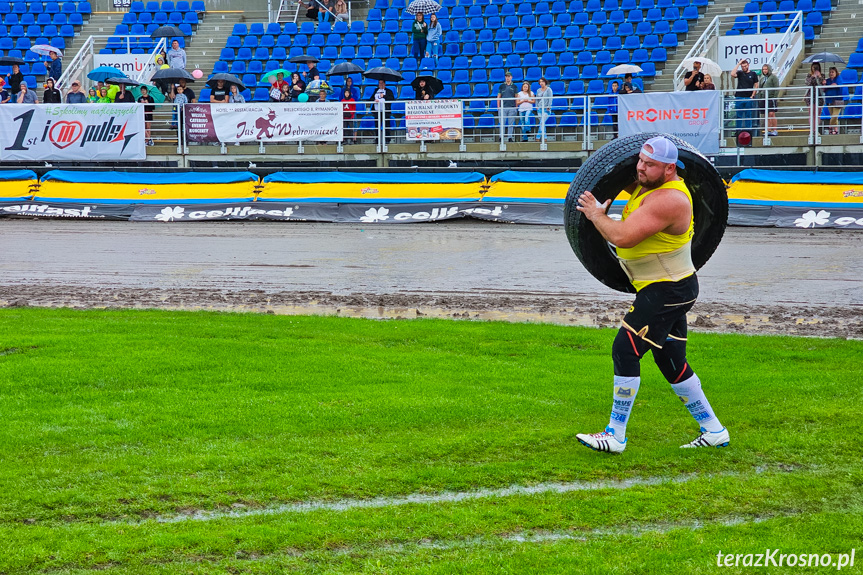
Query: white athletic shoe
709	439
603	441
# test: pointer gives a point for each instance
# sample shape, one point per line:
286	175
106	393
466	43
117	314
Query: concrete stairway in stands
665	82
203	49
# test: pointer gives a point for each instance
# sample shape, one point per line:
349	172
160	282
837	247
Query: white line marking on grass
443	497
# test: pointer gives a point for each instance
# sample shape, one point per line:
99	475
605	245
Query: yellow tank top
660	242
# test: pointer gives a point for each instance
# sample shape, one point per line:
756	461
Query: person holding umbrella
424	92
54	65
219	94
312	72
51	95
419	33
124	96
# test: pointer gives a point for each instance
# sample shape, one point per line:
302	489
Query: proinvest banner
294	122
72	132
691	116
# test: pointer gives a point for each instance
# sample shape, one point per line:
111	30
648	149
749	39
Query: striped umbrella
423	7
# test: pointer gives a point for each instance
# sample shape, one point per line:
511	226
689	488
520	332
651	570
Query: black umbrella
167	32
123	81
303	58
383	73
9	60
172	74
345	69
824	57
434	84
227	79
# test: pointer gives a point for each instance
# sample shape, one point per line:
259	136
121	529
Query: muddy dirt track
799	282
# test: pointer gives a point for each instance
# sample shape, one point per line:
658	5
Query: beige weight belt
674	265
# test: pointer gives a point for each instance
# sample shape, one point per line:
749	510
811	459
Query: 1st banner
72	132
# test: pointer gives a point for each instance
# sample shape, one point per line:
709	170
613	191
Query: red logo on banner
64	134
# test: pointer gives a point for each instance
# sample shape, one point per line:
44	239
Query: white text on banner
433	119
72	132
691	116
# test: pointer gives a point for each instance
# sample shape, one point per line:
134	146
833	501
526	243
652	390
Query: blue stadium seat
640	56
613	44
658	55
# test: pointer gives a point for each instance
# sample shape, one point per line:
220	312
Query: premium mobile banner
433	119
292	122
691	116
72	132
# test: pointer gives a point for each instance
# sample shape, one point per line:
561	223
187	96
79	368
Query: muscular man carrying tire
653	242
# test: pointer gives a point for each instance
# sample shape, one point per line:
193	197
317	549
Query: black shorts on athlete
659	311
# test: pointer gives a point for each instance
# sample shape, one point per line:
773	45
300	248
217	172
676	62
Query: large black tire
612	168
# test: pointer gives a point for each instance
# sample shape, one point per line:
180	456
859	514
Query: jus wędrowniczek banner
265	122
72	132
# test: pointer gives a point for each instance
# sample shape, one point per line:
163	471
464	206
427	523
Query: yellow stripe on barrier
371	191
820	193
144	192
16	188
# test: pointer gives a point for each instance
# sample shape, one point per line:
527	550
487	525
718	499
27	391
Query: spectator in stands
236	97
219	94
747	89
312	73
54	66
325	8
349	85
148	102
160	61
92	96
322	96
51	95
693	79
341	10
312	10
543	103
190	93
382	96
833	98
286	96
180	97
524	101
349	110
15	79
5	96
435	33
75	95
297	86
26	96
506	104
176	56
419	33
424	92
769	84
124	96
708	83
612	106
104	98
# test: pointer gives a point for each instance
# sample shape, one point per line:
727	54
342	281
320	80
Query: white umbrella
45	49
624	69
708	66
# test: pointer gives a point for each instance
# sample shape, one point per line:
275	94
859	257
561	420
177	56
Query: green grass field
119	426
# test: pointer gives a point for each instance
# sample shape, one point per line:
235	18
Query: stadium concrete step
202	49
665	81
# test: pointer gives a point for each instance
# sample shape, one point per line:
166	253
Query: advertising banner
72	132
130	64
691	116
66	210
757	48
433	119
266	122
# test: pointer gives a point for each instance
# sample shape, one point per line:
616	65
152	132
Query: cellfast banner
72	132
433	119
691	116
294	122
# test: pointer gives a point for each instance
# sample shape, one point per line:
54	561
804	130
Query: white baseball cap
664	151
